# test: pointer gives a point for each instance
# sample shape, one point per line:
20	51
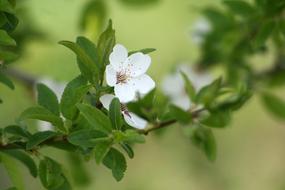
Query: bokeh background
250	151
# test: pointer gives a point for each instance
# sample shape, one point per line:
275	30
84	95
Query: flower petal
182	101
142	84
106	100
135	121
118	57
111	75
138	63
125	92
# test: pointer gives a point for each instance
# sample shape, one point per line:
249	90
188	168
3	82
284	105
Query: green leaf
38	138
87	137
106	43
5	80
218	119
128	149
274	105
5	6
12	188
17	131
208	93
50	173
24	159
240	7
128	136
144	51
180	115
139	3
43	114
204	139
101	151
95	117
10	21
264	33
5	39
8	55
115	114
116	161
47	99
87	66
73	94
189	87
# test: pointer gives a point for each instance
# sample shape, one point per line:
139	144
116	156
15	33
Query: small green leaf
6	40
23	158
101	150
87	137
264	33
144	51
41	113
17	131
73	94
218	119
115	114
38	138
182	116
128	136
128	149
47	99
50	173
274	105
5	80
8	55
240	7
116	161
95	117
189	87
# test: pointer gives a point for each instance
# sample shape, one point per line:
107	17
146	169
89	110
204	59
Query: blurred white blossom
173	85
200	29
127	74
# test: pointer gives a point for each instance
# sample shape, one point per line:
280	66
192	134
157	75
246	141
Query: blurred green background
250	152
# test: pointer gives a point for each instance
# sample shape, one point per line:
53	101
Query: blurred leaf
40	113
5	80
10	21
128	136
47	99
38	138
240	7
116	161
274	105
264	33
115	114
218	119
189	87
128	149
87	137
17	131
139	3
180	115
24	159
5	39
144	51
6	6
8	55
84	49
50	173
95	118
101	151
73	94
106	43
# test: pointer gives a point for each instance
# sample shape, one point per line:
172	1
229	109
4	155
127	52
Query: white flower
127	74
131	118
200	29
57	88
173	85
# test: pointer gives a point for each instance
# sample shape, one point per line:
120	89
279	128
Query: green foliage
218	119
5	39
38	138
116	161
188	86
182	116
17	131
144	51
139	3
274	105
115	114
101	150
5	80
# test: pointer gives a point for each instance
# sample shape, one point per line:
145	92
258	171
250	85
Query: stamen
121	77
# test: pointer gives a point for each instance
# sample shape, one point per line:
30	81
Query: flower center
121	77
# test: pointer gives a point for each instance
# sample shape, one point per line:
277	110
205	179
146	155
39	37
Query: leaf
115	114
128	136
106	43
86	64
204	139
24	159
116	161
73	94
101	151
38	138
8	55
208	93
274	105
17	131
139	3
95	117
240	7
5	80
5	39
128	149
218	119
47	99
144	51
87	138
40	113
50	173
264	33
10	21
191	92
180	115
